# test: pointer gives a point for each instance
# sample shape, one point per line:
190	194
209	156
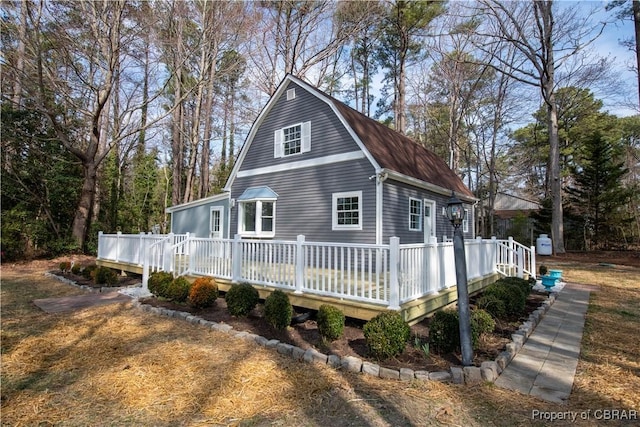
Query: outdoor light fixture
455	214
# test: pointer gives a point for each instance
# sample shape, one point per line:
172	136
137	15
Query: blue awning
258	193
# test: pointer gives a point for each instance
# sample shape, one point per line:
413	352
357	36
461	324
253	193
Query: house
313	165
512	216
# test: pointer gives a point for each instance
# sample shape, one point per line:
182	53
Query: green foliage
65	266
41	184
543	270
241	298
512	295
278	310
178	289
76	269
493	305
444	333
387	335
330	322
444	329
87	272
203	293
159	283
105	276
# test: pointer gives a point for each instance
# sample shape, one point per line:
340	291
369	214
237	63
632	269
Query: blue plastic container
548	281
556	274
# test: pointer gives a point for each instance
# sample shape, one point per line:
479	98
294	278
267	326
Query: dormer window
292	140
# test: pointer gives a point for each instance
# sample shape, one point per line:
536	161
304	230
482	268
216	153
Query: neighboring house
312	165
512	216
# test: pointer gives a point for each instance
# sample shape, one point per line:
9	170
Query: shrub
65	266
525	286
178	289
105	276
159	283
386	334
203	293
511	295
444	332
76	269
481	323
87	273
493	305
330	322
241	299
278	310
444	329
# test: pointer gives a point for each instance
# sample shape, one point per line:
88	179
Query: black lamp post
455	214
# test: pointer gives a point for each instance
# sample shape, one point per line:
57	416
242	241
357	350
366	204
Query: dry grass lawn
116	365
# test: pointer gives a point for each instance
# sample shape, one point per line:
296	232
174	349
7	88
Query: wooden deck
412	311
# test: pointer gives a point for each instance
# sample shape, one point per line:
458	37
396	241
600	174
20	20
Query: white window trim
305	140
411	199
258	231
334	211
465	221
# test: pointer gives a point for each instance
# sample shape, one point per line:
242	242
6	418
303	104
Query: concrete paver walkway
64	304
546	365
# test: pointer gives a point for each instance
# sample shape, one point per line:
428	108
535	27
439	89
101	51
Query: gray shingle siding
304	204
328	134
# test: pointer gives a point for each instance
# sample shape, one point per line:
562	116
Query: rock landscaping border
488	371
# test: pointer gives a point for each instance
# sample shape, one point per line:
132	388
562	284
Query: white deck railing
389	275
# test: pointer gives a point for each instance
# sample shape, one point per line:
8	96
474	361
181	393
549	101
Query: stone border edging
488	371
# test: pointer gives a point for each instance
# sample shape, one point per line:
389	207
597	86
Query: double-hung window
257	212
291	140
415	214
347	211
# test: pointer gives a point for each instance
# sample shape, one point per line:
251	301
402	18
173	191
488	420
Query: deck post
532	262
394	264
145	268
118	234
510	255
520	267
236	259
141	248
167	254
100	245
300	263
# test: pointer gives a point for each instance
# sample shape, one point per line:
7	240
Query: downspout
380	178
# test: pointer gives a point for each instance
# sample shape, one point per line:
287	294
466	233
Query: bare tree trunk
636	23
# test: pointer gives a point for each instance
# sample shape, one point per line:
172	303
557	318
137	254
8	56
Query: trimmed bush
203	293
76	269
493	305
241	299
444	329
525	286
511	295
278	310
105	276
330	322
178	289
481	323
387	335
87	272
159	283
65	266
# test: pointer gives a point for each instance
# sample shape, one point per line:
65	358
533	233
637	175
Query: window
465	221
292	140
256	218
215	222
415	214
347	211
256	212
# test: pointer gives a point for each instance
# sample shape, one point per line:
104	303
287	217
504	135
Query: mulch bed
305	334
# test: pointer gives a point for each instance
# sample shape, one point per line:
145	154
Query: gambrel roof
389	151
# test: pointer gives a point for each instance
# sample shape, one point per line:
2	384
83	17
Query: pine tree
598	194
